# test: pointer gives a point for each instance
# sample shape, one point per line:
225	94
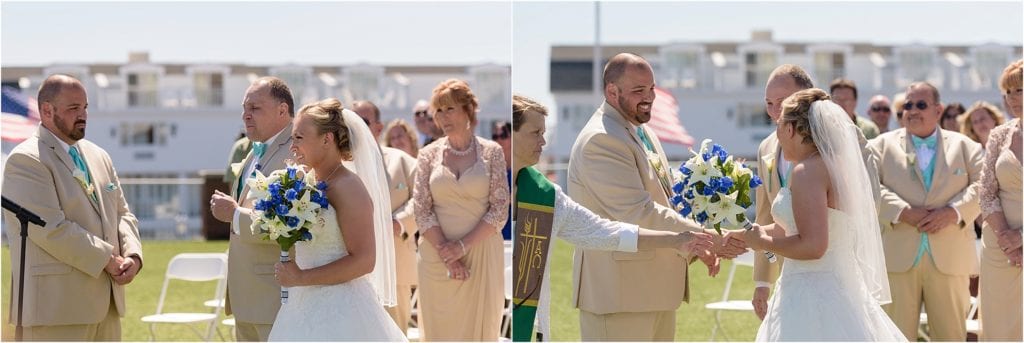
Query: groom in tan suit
253	293
927	212
400	169
618	170
90	248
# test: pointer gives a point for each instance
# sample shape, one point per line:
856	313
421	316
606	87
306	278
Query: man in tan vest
618	170
400	169
253	293
927	215
78	264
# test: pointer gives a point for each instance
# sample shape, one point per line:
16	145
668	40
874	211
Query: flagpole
597	69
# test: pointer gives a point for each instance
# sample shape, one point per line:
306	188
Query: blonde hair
455	93
327	118
967	128
409	131
1011	79
796	110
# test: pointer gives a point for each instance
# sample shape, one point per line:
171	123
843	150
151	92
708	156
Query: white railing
167	208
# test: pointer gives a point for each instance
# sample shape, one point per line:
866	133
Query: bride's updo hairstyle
796	110
327	118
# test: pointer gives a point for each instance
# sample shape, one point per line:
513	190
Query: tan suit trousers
946	300
628	326
109	329
249	332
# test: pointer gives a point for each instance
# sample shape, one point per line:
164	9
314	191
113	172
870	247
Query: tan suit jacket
401	168
769	154
65	283
610	175
253	294
958	162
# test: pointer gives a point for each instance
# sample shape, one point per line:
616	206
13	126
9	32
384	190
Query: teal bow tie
259	149
643	138
929	142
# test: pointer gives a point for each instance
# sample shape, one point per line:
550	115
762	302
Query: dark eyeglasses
497	136
422	113
880	108
921	105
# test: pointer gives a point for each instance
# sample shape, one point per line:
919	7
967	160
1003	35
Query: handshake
710	247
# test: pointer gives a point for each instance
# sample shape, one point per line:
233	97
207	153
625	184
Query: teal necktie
644	139
258	149
76	157
924	246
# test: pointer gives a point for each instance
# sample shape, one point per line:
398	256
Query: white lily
304	209
705	145
700	203
725	209
702	170
83	181
258	186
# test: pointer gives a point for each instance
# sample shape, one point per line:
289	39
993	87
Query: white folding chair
747	259
192	267
506	321
973	326
413	333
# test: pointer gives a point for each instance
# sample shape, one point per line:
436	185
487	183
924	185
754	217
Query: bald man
90	249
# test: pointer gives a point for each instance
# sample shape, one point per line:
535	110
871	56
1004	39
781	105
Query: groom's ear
611	91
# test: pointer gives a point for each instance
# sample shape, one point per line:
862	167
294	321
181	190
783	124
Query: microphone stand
25	217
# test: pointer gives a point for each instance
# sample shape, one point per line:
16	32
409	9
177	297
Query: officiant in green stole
537	221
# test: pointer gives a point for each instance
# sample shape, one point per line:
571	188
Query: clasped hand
929	220
710	248
1009	242
122	270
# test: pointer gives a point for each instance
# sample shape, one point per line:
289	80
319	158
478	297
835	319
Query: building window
828	66
915	65
145	134
682	69
142	89
752	115
363	84
491	87
208	88
759	65
988	66
296	78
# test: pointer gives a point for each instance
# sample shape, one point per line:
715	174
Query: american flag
20	115
665	119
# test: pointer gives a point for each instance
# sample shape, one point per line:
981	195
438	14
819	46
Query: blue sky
258	32
539	25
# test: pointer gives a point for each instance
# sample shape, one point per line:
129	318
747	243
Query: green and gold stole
535	213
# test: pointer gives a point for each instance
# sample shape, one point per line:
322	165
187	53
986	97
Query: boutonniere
111	187
911	158
80	177
769	162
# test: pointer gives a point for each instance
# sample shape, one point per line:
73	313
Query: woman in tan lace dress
1001	193
462	197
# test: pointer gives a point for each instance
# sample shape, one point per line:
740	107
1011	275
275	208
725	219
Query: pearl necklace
472	143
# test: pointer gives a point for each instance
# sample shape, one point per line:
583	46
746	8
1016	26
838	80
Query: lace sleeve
423	201
988	186
494	159
584	229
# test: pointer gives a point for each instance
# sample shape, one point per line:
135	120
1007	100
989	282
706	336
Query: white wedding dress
344	312
824	299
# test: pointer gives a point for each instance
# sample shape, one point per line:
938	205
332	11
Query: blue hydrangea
274	188
291	194
282	209
689	194
714	183
706	156
299	185
686	171
708	191
292	221
702	217
306	236
291	172
755	181
321	186
724	184
677	199
678	187
686	210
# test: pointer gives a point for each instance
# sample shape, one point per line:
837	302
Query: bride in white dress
341	279
834	281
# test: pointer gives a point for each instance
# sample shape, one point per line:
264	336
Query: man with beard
90	249
618	170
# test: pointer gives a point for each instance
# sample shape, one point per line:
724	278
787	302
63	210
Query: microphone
21	212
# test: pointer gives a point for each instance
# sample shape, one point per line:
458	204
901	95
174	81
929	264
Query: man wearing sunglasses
428	131
927	206
844	93
880	112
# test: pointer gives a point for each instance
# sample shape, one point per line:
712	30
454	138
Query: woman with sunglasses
949	117
1000	191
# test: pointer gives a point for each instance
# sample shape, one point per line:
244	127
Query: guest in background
897	107
462	200
399	134
978	121
880	112
949	117
1000	188
238	152
428	130
844	93
501	132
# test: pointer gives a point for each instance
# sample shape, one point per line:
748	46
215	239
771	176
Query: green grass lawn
144	292
693	322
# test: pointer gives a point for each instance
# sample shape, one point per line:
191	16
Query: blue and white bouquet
287	205
716	189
